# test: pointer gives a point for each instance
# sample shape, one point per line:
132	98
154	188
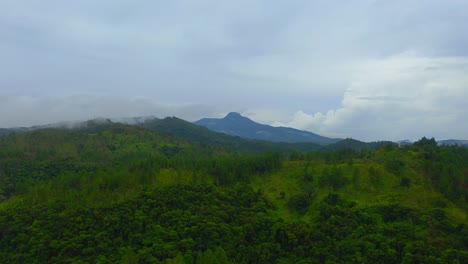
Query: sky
365	69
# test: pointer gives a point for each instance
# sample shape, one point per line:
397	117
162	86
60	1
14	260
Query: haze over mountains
200	135
233	127
451	142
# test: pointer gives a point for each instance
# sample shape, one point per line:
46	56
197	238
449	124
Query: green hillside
43	154
205	137
112	193
200	135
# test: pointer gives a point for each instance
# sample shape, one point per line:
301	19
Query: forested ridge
126	194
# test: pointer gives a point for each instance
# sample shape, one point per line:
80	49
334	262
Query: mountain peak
237	125
233	115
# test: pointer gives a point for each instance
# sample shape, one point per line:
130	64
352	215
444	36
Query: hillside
237	125
44	154
110	193
354	144
200	135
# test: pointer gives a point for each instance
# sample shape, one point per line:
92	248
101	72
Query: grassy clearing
366	183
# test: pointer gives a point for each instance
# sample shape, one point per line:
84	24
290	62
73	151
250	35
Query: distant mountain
350	143
188	132
6	132
238	125
182	129
17	130
86	126
450	142
447	142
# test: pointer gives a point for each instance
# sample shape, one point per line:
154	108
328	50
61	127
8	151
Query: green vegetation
111	193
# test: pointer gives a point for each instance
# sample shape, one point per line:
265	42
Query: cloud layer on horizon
30	111
404	96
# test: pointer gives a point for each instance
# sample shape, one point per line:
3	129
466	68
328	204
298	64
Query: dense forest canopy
119	193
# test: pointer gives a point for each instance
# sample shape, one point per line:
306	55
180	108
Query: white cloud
28	111
403	96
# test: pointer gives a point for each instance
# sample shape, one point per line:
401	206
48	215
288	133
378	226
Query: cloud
396	98
29	111
385	98
267	59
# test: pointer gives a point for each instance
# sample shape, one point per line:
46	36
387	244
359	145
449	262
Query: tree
333	178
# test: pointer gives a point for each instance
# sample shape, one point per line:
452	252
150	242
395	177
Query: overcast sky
365	69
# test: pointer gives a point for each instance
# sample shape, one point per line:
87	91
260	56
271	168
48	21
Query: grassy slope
363	190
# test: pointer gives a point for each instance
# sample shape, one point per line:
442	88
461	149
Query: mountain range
451	142
190	132
446	142
234	131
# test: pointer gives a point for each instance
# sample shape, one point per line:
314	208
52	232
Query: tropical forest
169	191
